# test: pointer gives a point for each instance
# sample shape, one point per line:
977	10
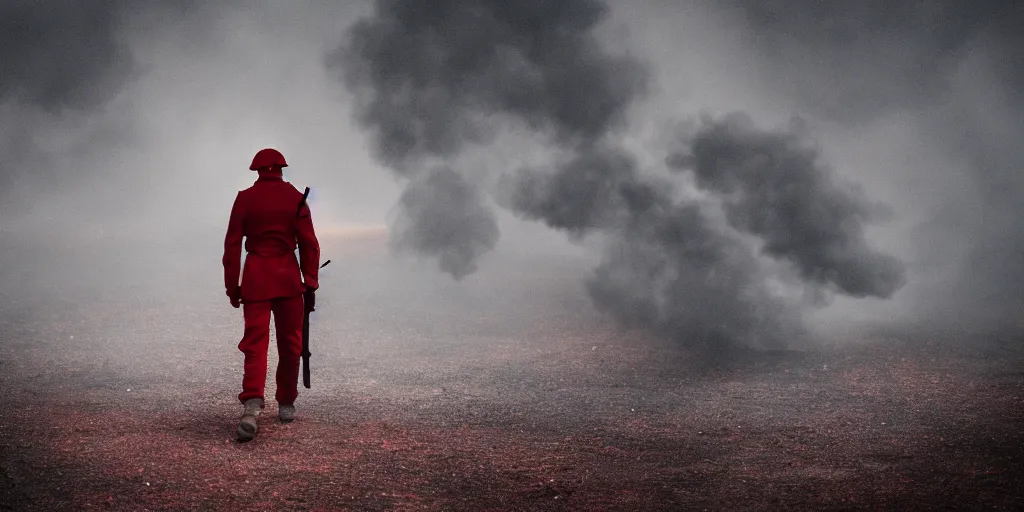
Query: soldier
265	214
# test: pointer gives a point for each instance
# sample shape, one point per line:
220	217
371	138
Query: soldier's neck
269	175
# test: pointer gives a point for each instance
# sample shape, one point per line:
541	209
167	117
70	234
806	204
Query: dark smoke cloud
443	215
432	80
671	273
585	193
69	55
954	66
773	185
62	64
56	56
426	74
431	77
61	54
666	267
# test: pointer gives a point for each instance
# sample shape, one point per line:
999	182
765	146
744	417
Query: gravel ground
434	395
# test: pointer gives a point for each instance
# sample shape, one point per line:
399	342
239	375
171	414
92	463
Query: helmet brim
254	168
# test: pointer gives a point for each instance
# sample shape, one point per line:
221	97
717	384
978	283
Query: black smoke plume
442	215
61	54
62	62
57	56
773	185
426	74
954	68
431	78
666	267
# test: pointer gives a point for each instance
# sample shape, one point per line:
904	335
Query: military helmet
268	157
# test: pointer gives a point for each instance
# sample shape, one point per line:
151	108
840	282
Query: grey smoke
954	68
671	273
443	216
433	80
61	54
774	185
666	267
584	193
62	64
861	59
56	56
426	74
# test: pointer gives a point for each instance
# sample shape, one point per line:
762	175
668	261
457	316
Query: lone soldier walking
265	214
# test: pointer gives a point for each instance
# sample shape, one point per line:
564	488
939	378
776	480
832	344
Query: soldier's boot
247	426
286	413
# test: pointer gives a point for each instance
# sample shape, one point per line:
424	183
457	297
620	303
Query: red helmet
268	157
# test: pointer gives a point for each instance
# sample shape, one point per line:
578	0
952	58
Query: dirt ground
434	395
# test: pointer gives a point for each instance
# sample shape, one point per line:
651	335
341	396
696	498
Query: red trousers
288	313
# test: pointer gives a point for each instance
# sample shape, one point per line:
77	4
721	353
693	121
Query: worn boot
247	426
286	413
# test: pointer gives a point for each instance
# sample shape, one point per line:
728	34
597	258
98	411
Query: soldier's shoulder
247	194
292	190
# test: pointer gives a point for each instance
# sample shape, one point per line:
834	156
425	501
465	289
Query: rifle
307	300
305	333
301	203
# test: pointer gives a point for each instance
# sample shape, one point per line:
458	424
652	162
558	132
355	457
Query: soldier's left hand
235	296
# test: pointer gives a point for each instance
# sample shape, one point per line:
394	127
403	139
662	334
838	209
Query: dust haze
760	174
586	254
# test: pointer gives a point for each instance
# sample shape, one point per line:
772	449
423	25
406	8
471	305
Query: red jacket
265	214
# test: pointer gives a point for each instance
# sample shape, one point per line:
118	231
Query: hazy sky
142	118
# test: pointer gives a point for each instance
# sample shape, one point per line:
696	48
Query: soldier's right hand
309	299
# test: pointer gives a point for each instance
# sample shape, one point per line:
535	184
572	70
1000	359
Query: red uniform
265	214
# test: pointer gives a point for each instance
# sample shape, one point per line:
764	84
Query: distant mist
733	172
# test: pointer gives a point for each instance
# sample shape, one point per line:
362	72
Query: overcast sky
133	117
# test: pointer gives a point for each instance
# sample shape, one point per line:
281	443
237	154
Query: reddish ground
435	395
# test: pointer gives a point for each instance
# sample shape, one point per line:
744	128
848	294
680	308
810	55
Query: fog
127	128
